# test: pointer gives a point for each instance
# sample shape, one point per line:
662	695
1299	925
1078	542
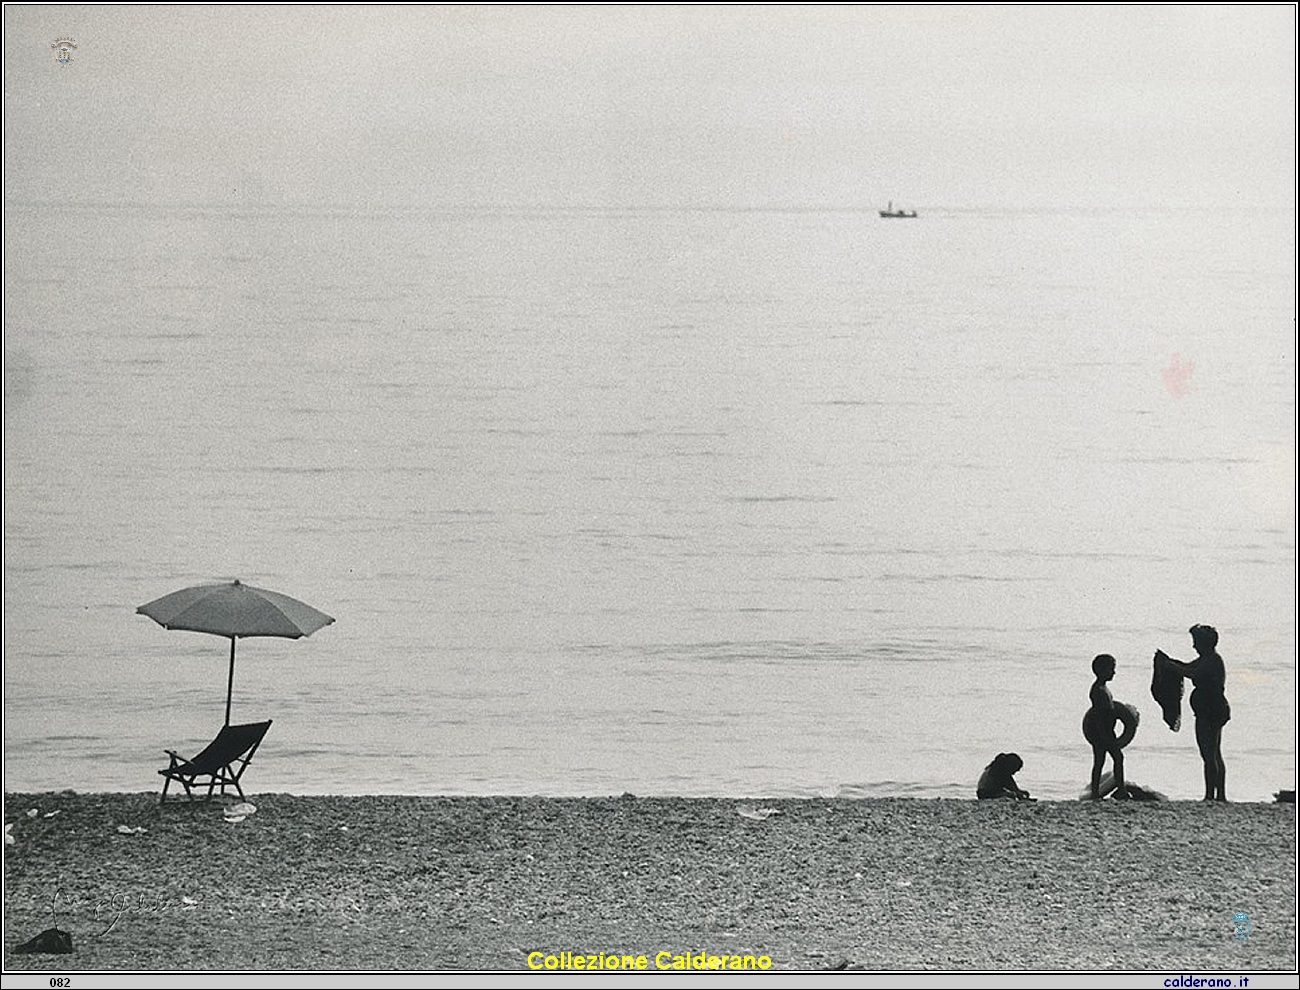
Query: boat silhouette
889	213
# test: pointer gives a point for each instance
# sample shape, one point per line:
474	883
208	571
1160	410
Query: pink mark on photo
1178	376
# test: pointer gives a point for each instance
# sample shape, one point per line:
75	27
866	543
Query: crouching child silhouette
1099	728
998	779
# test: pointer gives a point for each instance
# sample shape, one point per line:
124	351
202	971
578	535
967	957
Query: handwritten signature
114	905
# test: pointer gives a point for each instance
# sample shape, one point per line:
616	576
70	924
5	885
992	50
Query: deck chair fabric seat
222	762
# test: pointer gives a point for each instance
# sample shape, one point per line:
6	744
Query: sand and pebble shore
416	883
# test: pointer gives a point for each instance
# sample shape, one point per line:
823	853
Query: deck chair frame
222	762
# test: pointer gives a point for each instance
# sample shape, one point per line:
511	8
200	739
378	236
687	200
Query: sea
733	502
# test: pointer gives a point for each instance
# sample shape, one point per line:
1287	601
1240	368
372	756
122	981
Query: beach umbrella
237	611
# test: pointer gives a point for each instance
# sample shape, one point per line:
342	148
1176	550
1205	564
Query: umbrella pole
230	681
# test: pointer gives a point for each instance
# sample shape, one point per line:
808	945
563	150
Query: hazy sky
653	106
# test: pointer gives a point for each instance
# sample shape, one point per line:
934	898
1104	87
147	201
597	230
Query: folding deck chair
223	761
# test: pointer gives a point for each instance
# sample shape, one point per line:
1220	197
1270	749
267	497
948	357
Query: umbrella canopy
235	610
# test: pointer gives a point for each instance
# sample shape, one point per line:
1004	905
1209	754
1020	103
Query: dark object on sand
1284	797
234	610
1136	792
54	941
998	779
1132	792
1167	689
223	761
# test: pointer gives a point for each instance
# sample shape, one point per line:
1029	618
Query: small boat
889	213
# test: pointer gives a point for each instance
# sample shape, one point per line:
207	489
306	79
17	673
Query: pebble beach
512	883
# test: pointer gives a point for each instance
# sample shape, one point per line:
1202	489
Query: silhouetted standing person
1099	728
1209	704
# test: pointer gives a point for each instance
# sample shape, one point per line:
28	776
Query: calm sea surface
670	502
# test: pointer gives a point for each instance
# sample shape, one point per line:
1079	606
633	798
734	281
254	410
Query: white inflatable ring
1129	716
1126	714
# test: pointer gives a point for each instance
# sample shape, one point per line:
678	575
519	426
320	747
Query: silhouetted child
998	779
1099	728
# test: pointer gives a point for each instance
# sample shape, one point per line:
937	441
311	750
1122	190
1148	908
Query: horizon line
356	206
